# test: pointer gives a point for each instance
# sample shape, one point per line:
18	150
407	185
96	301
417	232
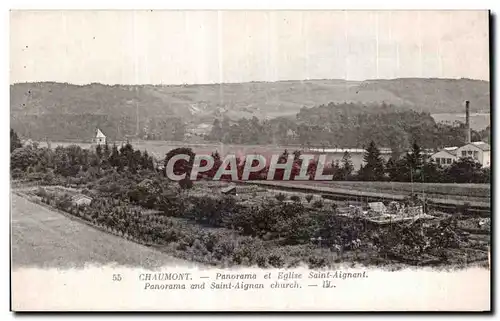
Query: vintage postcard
225	160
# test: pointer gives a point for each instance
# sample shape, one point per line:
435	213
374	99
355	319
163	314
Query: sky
188	47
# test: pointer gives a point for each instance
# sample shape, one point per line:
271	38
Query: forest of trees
74	161
413	166
345	125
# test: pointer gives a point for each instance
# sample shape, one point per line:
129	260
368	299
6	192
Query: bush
299	229
318	204
212	211
276	260
247	250
41	192
186	183
280	197
309	198
261	261
317	262
224	248
295	198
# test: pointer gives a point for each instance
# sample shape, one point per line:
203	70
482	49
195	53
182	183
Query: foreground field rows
44	238
366	191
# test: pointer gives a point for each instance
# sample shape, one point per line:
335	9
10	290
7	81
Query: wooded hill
64	111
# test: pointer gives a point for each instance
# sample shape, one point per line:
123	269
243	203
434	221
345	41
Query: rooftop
99	134
482	145
77	197
451	150
349	150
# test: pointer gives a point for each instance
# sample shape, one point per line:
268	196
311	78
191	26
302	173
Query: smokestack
467	123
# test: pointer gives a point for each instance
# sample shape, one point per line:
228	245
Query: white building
479	151
446	156
100	138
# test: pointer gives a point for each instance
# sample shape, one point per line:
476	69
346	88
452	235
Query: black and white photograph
239	154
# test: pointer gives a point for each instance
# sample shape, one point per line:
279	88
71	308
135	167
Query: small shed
230	190
81	200
378	207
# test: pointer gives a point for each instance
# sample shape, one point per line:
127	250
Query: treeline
73	161
344	125
414	166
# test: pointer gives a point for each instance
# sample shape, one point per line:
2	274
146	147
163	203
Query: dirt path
44	238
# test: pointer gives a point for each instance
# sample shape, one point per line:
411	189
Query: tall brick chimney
467	123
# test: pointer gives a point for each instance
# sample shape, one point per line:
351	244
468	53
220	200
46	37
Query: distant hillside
345	125
65	111
436	95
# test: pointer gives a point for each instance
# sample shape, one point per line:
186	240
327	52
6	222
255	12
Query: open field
478	121
479	191
44	238
364	190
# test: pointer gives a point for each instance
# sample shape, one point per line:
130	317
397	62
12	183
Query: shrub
186	183
280	197
318	204
261	261
17	172
212	211
317	262
254	221
300	229
41	192
276	260
295	198
309	198
224	248
246	251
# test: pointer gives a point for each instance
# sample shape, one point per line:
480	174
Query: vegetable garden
132	199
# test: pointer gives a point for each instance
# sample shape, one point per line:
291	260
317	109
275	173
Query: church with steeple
99	138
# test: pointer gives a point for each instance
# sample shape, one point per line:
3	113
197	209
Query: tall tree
414	162
114	158
414	158
216	132
15	142
23	158
465	170
373	170
347	166
181	166
146	161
